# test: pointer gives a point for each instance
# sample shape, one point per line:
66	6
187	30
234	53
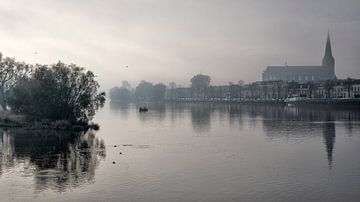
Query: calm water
189	152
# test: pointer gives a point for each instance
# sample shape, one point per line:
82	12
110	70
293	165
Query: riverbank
10	120
350	102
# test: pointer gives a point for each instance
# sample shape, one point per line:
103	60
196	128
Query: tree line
144	91
147	91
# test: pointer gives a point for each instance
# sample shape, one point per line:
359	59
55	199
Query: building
325	71
338	89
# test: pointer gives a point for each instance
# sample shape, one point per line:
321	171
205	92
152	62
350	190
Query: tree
312	89
159	92
144	91
240	83
292	85
199	83
172	85
58	92
348	86
11	72
266	91
126	85
235	91
252	87
120	94
329	86
114	93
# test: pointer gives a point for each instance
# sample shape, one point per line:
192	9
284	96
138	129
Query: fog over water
271	141
162	40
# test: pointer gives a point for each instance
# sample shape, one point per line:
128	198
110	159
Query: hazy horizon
163	41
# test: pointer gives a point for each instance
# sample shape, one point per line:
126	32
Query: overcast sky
171	40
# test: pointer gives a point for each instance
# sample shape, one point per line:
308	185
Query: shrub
58	92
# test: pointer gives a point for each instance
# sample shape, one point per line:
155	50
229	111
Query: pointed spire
328	46
328	60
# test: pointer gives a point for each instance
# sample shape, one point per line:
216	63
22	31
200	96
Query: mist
164	41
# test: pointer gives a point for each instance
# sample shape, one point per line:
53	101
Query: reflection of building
299	123
324	71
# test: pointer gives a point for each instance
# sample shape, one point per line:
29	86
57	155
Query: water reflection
278	122
200	117
120	107
329	140
56	160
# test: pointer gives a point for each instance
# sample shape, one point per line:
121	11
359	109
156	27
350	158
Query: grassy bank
10	120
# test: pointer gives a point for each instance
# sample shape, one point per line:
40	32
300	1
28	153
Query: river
189	152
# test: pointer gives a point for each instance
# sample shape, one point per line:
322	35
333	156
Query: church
325	71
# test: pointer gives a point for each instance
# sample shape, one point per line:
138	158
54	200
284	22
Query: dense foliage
146	91
199	83
11	72
120	94
159	91
58	92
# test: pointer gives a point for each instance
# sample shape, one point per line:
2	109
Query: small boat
143	109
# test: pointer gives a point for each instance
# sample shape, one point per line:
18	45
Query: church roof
307	68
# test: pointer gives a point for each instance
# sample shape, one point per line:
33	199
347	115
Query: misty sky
171	40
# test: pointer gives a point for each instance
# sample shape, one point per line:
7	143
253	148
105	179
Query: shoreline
10	120
355	102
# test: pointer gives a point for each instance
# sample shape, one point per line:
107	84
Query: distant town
305	84
344	90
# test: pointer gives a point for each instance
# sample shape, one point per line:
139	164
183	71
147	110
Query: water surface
189	152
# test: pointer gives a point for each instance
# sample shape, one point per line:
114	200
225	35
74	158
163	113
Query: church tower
328	60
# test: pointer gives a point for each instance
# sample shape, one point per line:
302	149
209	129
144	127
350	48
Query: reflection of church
277	125
329	139
325	71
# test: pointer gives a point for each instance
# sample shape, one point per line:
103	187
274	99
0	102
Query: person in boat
143	109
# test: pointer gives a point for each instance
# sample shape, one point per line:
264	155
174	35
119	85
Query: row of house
270	91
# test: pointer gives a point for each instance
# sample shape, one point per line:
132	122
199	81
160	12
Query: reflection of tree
59	159
200	117
121	107
176	110
157	111
235	114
